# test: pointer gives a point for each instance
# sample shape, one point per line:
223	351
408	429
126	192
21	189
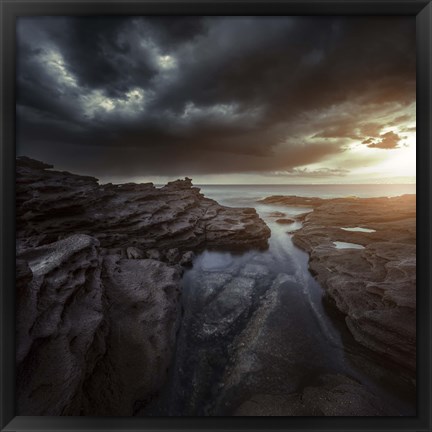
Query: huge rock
97	323
95	335
54	204
142	320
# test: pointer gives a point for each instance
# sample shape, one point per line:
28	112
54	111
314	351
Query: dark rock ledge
99	283
374	287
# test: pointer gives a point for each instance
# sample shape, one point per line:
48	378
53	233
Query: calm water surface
226	194
315	340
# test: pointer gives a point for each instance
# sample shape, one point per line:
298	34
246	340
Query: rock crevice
374	287
99	283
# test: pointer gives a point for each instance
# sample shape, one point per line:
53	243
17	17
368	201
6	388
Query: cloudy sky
219	99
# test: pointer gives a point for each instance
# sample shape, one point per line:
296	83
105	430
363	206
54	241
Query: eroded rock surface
99	285
142	317
86	324
53	204
374	287
59	312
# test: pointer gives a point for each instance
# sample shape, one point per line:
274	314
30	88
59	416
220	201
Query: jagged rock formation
95	335
53	204
374	287
98	285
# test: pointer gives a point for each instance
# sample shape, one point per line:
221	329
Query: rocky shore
363	253
112	319
250	346
99	283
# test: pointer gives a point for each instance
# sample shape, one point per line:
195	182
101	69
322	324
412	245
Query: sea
235	194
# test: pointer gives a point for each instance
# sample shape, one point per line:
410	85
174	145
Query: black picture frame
10	9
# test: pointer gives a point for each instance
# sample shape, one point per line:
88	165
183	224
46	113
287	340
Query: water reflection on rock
254	328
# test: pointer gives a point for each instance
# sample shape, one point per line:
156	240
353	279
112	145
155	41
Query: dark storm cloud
170	95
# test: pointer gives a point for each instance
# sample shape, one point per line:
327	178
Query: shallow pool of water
358	229
345	245
223	293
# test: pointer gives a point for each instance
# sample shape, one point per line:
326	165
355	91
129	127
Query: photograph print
216	216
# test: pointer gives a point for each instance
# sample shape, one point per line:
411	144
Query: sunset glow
270	100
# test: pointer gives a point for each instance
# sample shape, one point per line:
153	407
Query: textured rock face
87	324
374	287
52	204
98	285
142	320
59	312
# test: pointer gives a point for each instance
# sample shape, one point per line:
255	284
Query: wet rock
258	341
272	368
234	300
216	307
209	284
254	271
374	287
